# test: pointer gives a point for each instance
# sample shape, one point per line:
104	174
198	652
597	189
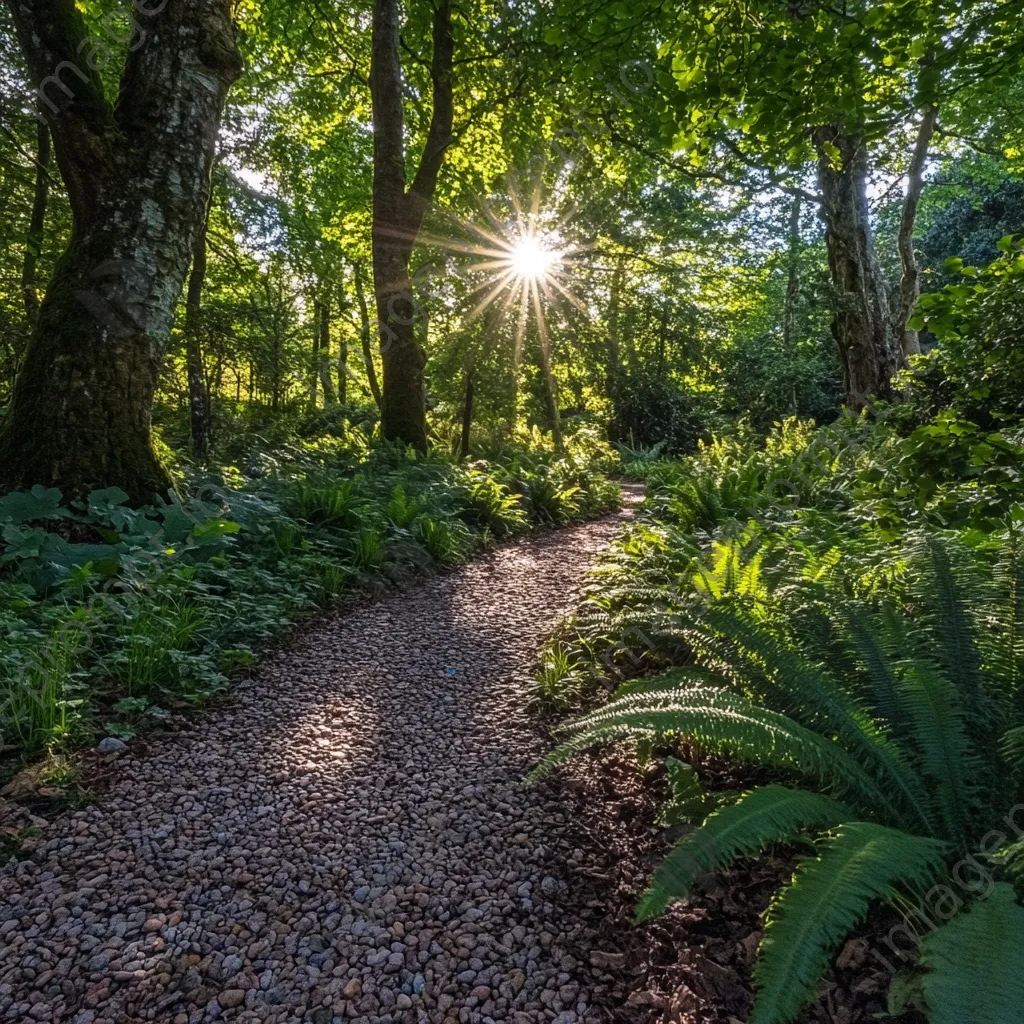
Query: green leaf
830	895
976	962
769	814
213	530
25	506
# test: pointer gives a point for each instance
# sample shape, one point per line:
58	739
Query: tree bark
314	359
398	213
37	223
366	332
614	305
469	393
138	179
197	394
343	372
910	282
861	323
330	395
792	292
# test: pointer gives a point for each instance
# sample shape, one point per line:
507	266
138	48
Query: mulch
694	964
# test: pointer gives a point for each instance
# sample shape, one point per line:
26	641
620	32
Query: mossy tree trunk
398	213
861	325
138	179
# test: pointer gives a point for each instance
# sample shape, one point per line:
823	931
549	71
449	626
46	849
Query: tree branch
439	138
53	37
910	282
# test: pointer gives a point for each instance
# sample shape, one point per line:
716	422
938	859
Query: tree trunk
467	411
330	395
138	178
910	282
343	372
861	323
365	333
314	359
614	306
37	223
398	213
550	395
792	292
197	394
663	336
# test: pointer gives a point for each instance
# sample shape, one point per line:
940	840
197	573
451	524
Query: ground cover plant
302	299
113	616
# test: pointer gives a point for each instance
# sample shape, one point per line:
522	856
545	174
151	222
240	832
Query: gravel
350	842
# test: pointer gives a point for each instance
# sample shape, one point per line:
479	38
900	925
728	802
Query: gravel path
350	842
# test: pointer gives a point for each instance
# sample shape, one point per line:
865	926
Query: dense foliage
114	617
844	605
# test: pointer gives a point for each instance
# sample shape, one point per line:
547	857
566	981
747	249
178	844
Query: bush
651	409
978	366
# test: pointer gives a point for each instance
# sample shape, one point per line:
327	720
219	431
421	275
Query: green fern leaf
682	702
976	963
769	814
830	894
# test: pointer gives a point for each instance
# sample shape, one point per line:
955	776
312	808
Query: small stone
354	989
111	745
231	965
231	997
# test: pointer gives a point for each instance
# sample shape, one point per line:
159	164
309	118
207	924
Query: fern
976	963
682	702
770	814
859	862
932	705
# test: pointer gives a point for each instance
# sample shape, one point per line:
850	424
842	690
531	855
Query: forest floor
351	840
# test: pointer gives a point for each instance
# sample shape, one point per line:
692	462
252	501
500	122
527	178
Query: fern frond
976	963
830	894
769	814
1001	636
683	702
932	705
812	697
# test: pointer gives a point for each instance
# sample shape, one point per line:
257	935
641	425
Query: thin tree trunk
365	333
792	291
467	409
138	178
343	371
861	323
793	280
910	282
314	359
330	394
398	213
662	337
550	391
37	224
197	391
614	305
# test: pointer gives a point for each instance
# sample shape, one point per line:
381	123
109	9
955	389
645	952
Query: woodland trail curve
351	841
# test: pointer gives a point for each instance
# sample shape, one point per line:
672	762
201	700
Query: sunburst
523	263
